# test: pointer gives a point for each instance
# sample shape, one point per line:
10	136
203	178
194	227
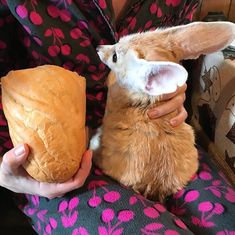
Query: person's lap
102	206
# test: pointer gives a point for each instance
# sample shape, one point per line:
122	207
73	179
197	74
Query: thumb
15	157
86	160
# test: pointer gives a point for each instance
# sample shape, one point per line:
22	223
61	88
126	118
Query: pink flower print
76	33
219	189
152	228
159	207
22	11
40	57
96	171
27	29
151	212
65	49
108	216
204	175
83	58
189	197
112	196
133	23
57	34
109	196
230	195
102	4
57	47
155	9
30	210
205	167
138	198
51	225
171	232
80	231
41	215
53	50
125	215
207	210
65	3
180	223
174	3
94	201
35	18
179	194
37	226
55	12
65	15
69	213
221	174
226	232
38	41
154	211
4	2
35	200
133	200
82	24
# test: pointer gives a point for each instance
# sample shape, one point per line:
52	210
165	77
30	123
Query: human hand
14	177
174	102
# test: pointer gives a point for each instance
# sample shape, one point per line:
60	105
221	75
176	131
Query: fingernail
153	114
19	151
90	152
173	122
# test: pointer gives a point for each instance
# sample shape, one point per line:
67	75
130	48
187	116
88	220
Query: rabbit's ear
192	40
164	77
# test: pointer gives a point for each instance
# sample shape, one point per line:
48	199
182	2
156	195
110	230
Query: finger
179	90
15	158
167	107
87	136
85	168
180	118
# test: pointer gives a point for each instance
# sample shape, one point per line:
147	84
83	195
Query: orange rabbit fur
150	155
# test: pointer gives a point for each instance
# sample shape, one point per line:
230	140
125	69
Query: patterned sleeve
11	57
189	9
181	13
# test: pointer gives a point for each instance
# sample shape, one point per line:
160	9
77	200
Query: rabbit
150	155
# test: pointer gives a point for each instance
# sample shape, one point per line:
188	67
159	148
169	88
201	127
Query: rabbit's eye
114	57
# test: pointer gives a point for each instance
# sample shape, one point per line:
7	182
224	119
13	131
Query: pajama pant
102	206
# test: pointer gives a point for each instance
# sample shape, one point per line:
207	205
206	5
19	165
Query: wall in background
225	6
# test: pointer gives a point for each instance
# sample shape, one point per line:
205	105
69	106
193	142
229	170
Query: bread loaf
45	108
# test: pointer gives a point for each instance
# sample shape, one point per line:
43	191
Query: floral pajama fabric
66	33
102	206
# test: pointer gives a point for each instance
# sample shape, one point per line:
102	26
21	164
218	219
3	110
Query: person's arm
12	174
14	177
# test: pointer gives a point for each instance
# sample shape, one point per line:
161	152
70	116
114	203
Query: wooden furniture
225	6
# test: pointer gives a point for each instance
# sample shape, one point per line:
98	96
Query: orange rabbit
151	156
